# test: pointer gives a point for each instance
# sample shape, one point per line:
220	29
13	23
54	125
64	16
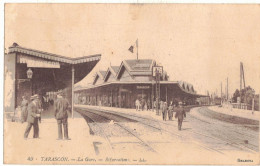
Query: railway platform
120	142
32	151
144	113
241	113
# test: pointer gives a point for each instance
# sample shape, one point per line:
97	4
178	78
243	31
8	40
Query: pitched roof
102	73
54	57
115	68
140	64
186	86
137	67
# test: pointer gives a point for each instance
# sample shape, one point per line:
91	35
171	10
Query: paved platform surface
198	135
145	113
82	148
237	112
19	150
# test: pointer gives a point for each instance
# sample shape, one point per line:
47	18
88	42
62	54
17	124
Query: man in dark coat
32	119
180	114
61	108
39	107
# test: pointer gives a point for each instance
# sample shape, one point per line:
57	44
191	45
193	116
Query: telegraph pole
157	92
157	70
227	88
259	101
221	93
242	80
152	97
137	48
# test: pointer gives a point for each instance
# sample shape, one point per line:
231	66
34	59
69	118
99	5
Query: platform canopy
60	65
50	72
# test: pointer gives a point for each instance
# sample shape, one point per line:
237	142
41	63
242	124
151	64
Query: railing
242	106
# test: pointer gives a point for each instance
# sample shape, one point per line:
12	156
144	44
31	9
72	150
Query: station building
120	86
29	72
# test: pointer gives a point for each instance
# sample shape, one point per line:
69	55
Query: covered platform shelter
120	86
29	72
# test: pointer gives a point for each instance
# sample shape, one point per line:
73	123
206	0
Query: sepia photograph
131	84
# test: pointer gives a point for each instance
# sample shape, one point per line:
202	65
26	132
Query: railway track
96	117
248	147
92	120
248	136
147	122
154	127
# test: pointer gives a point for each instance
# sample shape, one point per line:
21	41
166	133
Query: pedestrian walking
155	104
148	105
142	103
39	107
170	111
137	105
24	105
180	114
161	107
32	119
61	108
164	111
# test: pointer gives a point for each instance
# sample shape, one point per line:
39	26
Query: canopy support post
72	92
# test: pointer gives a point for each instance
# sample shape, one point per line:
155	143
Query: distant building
120	86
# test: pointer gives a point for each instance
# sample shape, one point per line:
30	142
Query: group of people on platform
164	110
142	105
31	112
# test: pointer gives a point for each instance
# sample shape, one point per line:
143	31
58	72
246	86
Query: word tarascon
54	159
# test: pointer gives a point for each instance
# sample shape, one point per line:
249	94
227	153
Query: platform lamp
29	76
29	73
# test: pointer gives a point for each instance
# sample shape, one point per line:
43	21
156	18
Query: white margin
2	3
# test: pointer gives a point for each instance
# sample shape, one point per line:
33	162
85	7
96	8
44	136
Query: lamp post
29	74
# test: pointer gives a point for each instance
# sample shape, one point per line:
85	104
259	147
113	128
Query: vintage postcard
136	84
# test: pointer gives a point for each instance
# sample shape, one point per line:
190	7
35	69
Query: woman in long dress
170	112
24	106
164	111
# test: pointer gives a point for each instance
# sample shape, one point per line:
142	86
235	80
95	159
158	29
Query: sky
199	44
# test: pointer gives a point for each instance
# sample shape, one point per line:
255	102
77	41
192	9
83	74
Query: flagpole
137	48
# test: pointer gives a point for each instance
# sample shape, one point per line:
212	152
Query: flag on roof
132	47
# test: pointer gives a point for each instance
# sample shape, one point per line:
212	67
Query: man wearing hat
39	106
180	114
32	119
61	108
